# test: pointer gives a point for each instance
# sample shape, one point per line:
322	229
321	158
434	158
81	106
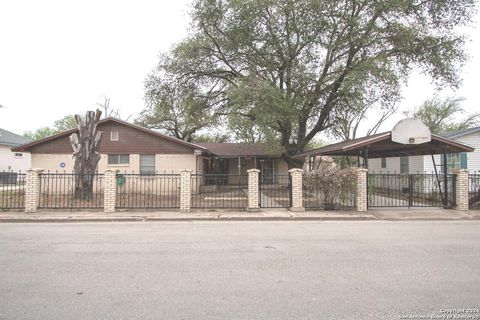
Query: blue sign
62	164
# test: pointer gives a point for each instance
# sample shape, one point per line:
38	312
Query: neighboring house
421	164
131	148
12	160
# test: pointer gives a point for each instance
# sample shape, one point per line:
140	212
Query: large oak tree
289	65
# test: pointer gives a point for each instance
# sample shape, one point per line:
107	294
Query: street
238	270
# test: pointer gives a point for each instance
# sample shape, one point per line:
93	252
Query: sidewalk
223	215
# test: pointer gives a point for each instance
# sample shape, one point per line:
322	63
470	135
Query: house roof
461	132
11	139
381	145
27	146
238	149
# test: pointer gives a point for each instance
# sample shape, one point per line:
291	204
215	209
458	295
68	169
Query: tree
109	111
440	115
85	145
65	123
286	65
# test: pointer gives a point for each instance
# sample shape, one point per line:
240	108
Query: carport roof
381	145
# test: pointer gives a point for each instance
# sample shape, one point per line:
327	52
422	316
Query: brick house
131	148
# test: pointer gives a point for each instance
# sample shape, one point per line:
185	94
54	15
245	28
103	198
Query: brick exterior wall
361	197
297	189
110	191
32	190
462	189
185	190
253	191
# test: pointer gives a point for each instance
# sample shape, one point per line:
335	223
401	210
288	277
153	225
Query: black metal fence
144	191
12	190
410	190
320	192
277	192
474	191
58	191
219	191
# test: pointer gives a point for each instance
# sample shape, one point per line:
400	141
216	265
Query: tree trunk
85	146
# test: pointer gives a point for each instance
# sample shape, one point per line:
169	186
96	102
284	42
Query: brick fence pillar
461	189
32	190
361	196
297	189
110	191
253	192
185	190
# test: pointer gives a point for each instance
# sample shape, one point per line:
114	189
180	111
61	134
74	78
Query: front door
267	171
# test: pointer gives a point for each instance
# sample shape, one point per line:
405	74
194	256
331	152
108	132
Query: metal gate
411	190
275	191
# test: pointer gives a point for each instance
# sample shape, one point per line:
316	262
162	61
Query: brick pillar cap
186	171
295	170
253	170
362	170
35	170
459	170
110	170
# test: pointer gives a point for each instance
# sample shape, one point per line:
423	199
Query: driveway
238	270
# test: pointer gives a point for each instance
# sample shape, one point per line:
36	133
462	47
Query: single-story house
131	148
13	160
424	163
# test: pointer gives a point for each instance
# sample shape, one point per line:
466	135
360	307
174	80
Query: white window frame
113	135
118	163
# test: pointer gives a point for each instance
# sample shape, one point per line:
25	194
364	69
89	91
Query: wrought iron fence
219	191
144	191
335	193
410	190
60	191
474	191
277	192
12	190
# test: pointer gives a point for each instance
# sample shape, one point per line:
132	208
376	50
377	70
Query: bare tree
109	111
85	145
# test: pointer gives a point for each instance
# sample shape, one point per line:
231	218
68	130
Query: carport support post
110	191
461	189
185	190
297	193
253	190
32	190
361	196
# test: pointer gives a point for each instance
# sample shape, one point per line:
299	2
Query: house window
118	159
457	161
384	163
463	161
113	135
404	164
147	164
18	155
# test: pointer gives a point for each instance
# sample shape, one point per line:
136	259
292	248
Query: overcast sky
62	57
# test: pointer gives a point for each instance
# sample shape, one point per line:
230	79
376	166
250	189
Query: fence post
32	190
185	190
361	192
297	189
253	191
110	191
461	188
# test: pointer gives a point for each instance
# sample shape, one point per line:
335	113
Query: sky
63	57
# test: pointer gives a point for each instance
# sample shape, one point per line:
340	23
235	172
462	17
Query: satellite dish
411	131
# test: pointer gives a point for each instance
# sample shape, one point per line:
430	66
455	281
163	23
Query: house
131	148
424	163
12	160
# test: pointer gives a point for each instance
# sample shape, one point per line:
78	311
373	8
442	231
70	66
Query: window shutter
463	161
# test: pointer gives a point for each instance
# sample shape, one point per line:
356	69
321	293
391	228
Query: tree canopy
442	115
288	66
65	123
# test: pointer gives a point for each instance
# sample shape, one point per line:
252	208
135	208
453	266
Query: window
404	164
384	163
147	164
118	159
113	135
457	161
18	155
463	161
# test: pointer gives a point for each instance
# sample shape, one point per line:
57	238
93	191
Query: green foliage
289	67
440	115
65	123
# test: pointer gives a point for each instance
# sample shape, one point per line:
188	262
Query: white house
13	161
421	164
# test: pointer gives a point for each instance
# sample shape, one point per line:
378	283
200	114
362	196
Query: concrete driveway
238	270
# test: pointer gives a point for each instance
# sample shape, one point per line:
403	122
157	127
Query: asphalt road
238	270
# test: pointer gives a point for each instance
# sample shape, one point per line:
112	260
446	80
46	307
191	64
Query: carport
400	190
